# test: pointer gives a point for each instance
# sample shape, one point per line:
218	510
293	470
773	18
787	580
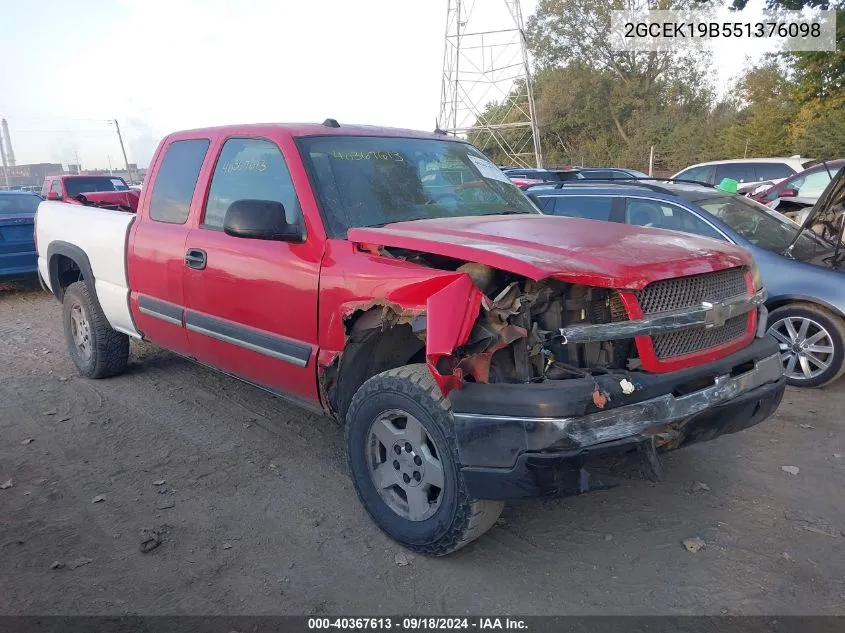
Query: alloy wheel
80	330
806	347
404	465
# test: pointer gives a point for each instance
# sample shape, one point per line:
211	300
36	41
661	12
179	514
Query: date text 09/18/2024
417	623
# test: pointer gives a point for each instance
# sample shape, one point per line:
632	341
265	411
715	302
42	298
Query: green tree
817	86
769	111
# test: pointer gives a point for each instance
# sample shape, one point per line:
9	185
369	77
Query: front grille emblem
716	315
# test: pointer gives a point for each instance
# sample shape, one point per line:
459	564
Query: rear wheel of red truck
96	349
404	462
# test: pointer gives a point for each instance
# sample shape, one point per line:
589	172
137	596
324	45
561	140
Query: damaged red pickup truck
475	350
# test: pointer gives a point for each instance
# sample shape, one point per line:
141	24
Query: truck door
157	249
252	304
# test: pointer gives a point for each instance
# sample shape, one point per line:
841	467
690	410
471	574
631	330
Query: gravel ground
256	514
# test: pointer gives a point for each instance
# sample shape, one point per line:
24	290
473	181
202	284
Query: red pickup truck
475	350
102	191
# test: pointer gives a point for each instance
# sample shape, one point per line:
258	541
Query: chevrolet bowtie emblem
716	313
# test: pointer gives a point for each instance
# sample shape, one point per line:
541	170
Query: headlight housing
756	277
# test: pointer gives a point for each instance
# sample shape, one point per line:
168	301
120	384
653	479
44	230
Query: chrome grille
690	292
687	292
697	339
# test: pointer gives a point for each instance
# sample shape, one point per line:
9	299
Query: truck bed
102	234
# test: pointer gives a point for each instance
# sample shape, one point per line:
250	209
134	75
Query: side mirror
54	195
260	220
788	193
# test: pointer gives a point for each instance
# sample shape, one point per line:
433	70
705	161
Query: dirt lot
258	515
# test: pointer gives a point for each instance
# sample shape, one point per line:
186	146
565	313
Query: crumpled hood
127	198
589	252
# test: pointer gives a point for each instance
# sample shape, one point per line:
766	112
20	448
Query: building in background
33	175
29	175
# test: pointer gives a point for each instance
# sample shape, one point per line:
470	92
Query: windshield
18	204
763	227
89	184
372	181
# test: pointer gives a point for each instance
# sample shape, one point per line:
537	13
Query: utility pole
651	161
3	159
123	149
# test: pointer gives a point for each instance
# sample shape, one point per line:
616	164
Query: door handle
196	258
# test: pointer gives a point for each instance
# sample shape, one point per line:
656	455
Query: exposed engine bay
517	336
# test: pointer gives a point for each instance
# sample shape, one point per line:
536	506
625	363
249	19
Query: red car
91	190
475	350
807	185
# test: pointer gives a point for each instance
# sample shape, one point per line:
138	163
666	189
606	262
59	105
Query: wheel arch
374	345
773	303
67	263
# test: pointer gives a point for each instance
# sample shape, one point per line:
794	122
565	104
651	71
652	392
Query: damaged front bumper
517	441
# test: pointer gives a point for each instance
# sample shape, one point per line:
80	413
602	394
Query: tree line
600	107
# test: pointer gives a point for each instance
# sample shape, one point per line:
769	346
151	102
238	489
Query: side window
590	207
659	215
176	180
812	184
699	174
741	172
249	168
56	186
772	171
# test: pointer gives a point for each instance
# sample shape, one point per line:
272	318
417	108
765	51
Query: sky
69	67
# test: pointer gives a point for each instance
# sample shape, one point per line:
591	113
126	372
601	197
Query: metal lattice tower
489	67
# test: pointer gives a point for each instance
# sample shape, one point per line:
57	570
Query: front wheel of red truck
402	454
96	349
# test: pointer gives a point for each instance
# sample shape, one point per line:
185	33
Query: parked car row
800	268
748	172
523	178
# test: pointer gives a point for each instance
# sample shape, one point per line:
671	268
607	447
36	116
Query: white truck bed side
101	234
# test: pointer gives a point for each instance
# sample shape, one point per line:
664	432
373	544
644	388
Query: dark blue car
801	269
17	236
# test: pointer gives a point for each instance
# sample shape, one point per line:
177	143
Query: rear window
176	180
15	204
773	171
91	184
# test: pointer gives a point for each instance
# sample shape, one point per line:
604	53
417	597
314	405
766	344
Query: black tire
108	350
820	318
458	519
